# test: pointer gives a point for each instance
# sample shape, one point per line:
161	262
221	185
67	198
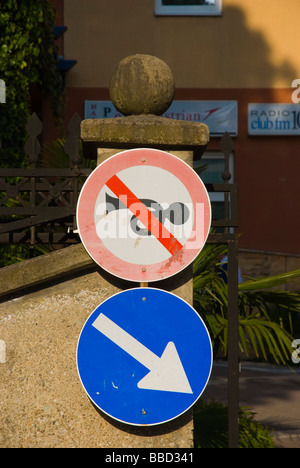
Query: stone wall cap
142	131
43	269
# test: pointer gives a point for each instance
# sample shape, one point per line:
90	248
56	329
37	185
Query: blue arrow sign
144	356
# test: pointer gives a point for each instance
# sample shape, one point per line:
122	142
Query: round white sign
143	215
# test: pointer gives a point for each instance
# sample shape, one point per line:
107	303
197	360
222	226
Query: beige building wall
252	45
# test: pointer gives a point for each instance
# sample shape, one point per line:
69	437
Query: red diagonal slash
144	215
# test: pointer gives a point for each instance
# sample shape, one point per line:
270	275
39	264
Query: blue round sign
144	356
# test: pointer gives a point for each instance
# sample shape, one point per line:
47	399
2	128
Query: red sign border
86	223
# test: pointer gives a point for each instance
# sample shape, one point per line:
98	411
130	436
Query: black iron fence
37	204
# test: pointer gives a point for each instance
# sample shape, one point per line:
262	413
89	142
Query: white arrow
166	372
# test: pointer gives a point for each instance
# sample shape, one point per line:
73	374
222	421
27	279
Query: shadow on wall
251	54
233	54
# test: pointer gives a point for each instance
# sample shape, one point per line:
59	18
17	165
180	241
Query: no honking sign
143	215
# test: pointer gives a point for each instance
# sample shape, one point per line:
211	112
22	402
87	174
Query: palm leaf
269	282
249	331
53	155
211	427
269	336
243	340
259	327
208	258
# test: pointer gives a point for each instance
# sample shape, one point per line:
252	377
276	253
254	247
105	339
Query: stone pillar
142	89
149	83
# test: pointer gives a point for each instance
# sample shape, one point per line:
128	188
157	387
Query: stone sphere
142	84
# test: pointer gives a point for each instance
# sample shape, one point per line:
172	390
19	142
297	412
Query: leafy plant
53	155
10	254
27	58
259	332
211	427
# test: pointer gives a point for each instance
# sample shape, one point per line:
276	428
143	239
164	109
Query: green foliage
261	331
211	427
53	155
27	57
10	254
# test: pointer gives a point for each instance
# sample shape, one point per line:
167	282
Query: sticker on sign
143	215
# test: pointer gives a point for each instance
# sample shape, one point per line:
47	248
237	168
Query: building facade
232	61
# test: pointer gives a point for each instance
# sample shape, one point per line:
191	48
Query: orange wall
248	54
253	44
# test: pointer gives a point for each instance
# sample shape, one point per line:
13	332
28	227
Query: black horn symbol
177	213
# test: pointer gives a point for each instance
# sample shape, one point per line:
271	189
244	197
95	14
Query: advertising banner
220	116
273	119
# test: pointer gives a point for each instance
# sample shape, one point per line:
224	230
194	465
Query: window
214	165
188	7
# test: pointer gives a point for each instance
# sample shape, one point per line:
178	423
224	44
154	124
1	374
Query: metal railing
37	204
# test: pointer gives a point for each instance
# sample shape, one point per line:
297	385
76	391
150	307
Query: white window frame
188	10
218	197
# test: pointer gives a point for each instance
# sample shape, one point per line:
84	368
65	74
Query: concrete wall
44	305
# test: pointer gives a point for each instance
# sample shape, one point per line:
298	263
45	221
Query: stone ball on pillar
142	84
